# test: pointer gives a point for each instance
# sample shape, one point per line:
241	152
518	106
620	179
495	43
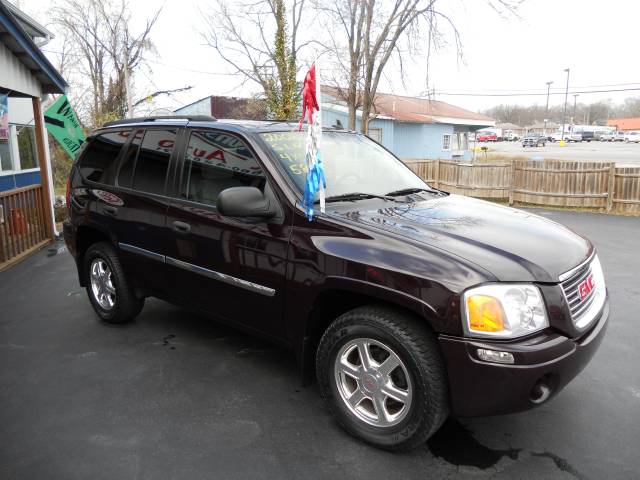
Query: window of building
27	147
215	161
376	134
6	162
459	141
99	160
152	163
446	142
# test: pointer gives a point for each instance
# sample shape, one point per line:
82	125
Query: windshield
352	163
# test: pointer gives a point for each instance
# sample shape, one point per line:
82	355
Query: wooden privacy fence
23	226
598	185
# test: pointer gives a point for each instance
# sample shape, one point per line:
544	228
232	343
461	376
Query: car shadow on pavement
176	329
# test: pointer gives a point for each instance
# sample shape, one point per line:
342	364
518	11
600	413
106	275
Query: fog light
494	356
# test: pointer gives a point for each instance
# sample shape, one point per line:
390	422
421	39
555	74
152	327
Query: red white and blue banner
316	182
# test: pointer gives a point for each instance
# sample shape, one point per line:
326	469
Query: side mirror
244	202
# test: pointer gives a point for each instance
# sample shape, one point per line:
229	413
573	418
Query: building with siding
410	127
226	107
26	193
625	124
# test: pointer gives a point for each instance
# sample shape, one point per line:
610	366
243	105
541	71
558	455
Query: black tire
127	306
416	346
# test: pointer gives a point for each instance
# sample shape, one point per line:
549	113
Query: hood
513	245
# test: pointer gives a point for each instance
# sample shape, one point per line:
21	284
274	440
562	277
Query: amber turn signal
485	314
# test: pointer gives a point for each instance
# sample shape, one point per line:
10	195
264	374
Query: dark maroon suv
406	303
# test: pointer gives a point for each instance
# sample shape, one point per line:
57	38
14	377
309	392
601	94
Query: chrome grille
577	305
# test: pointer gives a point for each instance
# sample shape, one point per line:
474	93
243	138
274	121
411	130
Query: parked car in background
486	137
632	137
534	140
588	136
508	136
567	137
405	303
611	137
607	136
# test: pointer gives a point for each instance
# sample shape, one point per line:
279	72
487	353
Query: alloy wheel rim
102	284
373	382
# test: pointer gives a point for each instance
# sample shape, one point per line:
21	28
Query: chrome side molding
238	282
141	251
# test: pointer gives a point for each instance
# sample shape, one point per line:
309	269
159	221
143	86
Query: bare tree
258	42
109	51
373	31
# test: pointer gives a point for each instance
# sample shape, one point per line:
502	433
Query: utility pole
575	98
127	86
564	113
546	110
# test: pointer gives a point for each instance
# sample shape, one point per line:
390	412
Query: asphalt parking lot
175	395
627	154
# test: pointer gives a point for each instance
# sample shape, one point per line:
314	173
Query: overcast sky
597	40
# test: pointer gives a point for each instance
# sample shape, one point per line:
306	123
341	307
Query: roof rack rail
191	118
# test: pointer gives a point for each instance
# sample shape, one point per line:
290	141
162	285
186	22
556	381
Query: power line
488	90
511	94
196	71
156	62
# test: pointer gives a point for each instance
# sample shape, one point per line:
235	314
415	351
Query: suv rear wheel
111	295
383	377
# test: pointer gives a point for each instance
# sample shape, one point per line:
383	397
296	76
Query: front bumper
551	360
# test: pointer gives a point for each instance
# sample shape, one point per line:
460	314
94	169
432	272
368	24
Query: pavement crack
561	463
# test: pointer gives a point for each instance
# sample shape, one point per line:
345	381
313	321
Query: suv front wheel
111	296
383	377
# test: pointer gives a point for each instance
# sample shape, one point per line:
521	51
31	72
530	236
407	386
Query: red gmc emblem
586	287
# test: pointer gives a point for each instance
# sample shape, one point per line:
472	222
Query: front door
233	268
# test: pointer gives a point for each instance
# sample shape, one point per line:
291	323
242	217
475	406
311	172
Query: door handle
181	227
109	210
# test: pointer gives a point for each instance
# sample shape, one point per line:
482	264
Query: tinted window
153	160
27	147
125	177
98	163
215	161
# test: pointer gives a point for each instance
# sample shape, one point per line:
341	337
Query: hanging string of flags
316	182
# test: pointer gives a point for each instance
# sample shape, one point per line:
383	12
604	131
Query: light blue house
411	127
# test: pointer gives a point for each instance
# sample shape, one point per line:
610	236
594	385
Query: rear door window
125	176
215	161
150	167
99	162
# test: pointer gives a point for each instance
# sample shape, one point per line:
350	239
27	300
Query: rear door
141	185
231	267
98	167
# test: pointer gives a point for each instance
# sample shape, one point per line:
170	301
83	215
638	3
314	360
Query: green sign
62	123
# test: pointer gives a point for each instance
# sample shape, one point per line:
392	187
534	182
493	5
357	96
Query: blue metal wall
19	179
420	140
330	118
406	140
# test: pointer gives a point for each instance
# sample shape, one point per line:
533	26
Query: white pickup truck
568	137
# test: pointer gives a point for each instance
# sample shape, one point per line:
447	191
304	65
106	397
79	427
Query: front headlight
503	310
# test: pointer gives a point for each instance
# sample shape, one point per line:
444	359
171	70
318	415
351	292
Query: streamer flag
316	182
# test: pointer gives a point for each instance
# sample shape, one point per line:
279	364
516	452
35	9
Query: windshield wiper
346	197
408	191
